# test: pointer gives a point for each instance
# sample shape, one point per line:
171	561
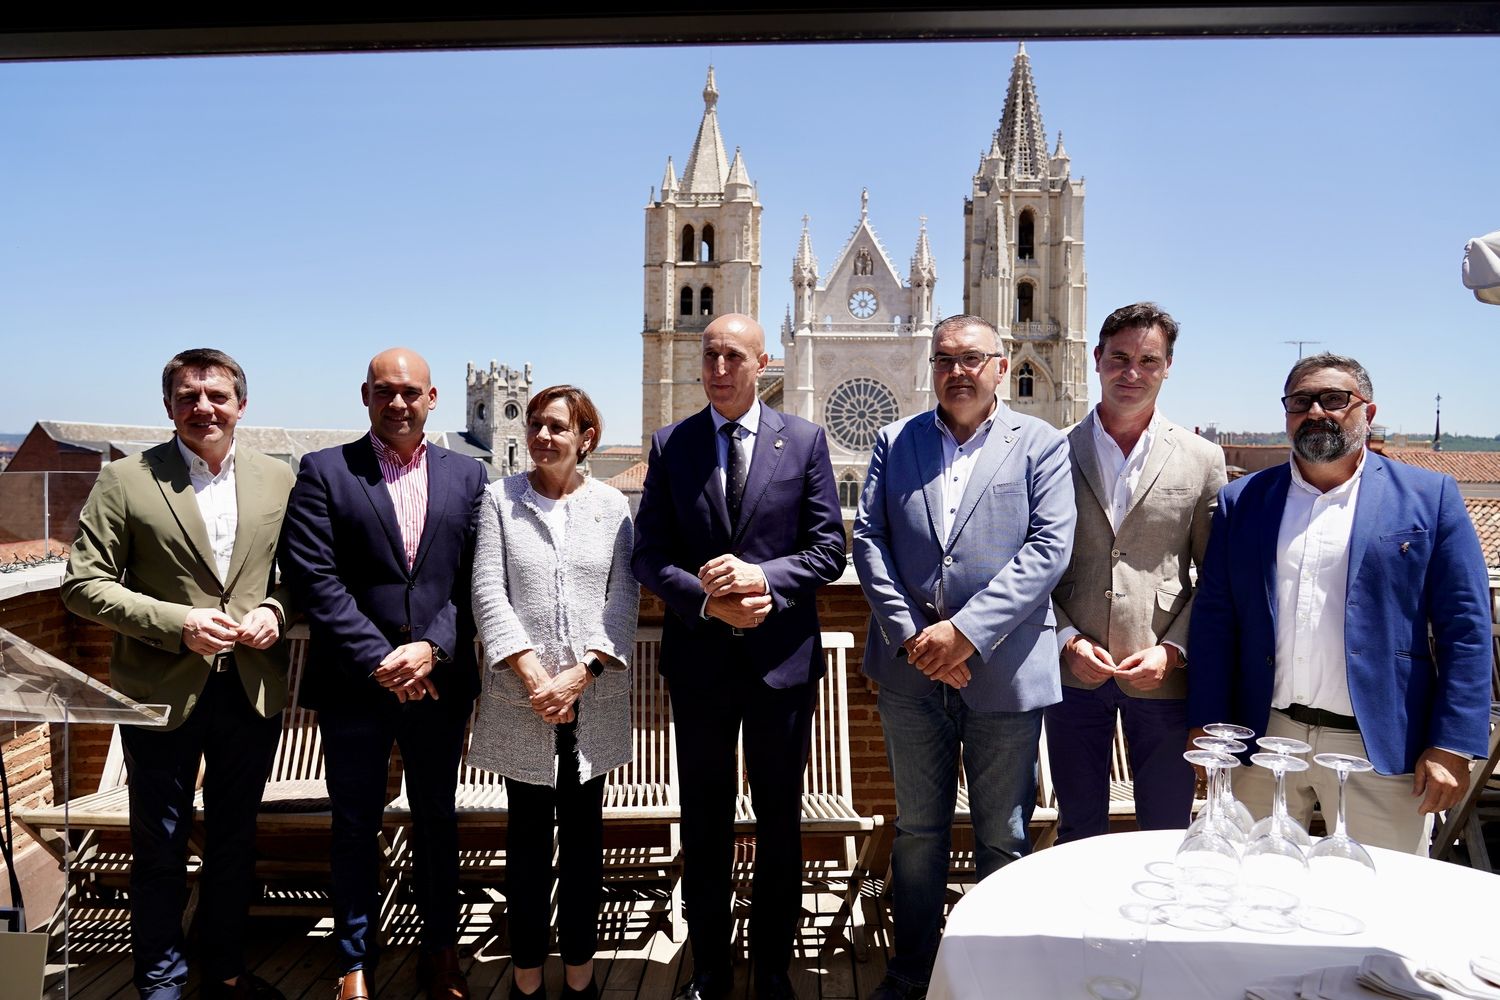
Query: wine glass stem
1339	830
1278	806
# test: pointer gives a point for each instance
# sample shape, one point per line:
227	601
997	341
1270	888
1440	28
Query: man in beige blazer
1146	490
176	553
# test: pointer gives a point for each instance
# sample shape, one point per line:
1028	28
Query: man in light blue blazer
1323	582
964	527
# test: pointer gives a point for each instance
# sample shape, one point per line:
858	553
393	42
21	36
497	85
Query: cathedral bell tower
702	260
1023	259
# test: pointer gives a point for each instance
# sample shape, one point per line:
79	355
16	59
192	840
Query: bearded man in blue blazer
1344	602
739	525
378	545
965	525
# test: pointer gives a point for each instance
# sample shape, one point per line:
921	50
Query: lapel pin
1010	438
1405	547
779	442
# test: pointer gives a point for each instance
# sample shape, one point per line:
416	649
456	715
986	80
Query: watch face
862	304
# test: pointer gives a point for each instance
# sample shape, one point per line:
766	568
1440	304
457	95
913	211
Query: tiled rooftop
1465	466
1485	513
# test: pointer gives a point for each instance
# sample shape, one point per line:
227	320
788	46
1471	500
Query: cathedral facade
857	338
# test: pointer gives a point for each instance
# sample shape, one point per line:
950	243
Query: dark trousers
777	725
357	753
579	811
1080	729
237	746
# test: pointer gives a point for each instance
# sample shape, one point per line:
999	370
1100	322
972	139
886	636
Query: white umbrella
1482	267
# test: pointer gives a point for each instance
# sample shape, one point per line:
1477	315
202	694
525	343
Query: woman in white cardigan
556	604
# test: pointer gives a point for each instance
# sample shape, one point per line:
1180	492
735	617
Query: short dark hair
1140	315
584	413
202	357
1317	362
965	319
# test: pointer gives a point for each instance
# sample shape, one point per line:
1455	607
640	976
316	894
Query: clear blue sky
304	212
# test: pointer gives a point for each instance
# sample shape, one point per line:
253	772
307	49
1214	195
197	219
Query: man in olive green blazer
1146	490
176	554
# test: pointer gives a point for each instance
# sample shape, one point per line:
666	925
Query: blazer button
931	606
1109	595
947	560
1114	553
791	603
1270	661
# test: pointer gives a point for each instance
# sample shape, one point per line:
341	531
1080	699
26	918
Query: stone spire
923	267
707	166
1021	136
738	183
668	181
805	265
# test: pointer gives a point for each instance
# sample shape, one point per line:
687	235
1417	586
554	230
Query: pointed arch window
706	301
689	244
1026	236
1025	302
1025	381
849	489
707	252
686	298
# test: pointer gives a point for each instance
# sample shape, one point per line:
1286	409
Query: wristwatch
438	656
594	664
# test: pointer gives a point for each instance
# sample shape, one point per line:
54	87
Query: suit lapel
249	514
927	448
1372	495
370	478
703	454
1081	447
1270	532
997	446
437	491
177	489
1156	460
769	445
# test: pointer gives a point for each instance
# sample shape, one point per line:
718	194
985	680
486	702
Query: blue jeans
923	737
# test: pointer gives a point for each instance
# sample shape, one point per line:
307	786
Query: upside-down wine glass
1215	756
1274	867
1230	731
1279	761
1208	862
1229	807
1339	866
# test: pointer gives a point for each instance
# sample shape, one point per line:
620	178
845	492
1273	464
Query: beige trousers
1380	809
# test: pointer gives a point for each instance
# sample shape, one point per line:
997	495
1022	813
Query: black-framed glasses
1331	400
969	361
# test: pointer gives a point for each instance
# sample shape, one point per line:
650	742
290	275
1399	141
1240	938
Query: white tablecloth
1017	934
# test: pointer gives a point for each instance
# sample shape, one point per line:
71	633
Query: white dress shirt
1120	473
1312	582
958	466
216	502
744	439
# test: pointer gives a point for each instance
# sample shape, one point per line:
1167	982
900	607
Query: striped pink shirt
407	485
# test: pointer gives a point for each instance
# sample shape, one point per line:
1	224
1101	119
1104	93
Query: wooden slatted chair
828	789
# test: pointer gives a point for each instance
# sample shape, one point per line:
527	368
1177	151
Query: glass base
1321	920
1113	988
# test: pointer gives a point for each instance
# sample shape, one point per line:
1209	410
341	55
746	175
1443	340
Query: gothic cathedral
856	339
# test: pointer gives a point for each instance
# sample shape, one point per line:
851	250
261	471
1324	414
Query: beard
1323	441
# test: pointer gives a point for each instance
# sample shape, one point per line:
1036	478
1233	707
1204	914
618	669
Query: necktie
736	472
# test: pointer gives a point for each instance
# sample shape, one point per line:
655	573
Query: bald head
734	355
398	392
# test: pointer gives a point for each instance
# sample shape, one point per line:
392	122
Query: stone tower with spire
702	260
856	344
1023	258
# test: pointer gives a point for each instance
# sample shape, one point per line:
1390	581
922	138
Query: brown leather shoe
439	973
352	986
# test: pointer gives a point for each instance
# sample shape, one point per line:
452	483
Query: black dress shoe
589	992
774	986
540	993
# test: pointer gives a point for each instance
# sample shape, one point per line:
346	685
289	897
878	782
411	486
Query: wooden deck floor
636	958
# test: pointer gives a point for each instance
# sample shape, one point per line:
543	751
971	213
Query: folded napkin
1394	976
1278	988
1486	967
1464	986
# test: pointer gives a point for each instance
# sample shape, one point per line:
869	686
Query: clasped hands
554	699
941	652
737	591
405	669
209	631
1143	670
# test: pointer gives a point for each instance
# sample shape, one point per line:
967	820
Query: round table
1018	933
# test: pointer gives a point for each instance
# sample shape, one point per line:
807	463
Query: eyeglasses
1331	400
969	361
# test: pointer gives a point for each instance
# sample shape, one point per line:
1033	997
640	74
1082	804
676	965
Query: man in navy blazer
1322	582
378	546
965	525
739	525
